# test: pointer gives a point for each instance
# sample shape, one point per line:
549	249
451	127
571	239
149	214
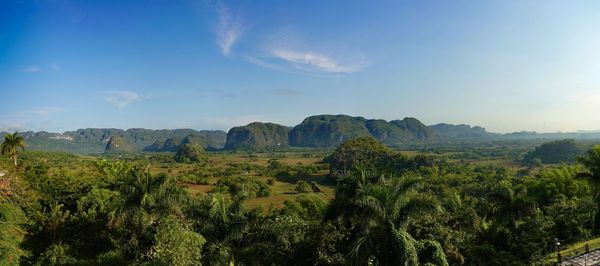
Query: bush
303	187
366	153
188	153
243	186
175	244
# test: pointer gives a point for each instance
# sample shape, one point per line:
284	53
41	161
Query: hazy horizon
503	65
288	125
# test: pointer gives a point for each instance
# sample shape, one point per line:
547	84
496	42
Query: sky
503	65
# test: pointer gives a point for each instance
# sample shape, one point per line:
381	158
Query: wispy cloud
121	99
305	62
228	30
31	69
309	61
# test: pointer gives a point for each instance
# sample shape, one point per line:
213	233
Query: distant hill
462	131
94	140
116	145
174	144
327	130
315	131
257	136
416	130
558	151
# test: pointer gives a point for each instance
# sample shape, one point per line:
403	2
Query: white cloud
31	69
228	30
121	99
309	61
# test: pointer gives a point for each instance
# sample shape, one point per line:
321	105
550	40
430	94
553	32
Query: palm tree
12	142
510	205
379	211
224	224
146	199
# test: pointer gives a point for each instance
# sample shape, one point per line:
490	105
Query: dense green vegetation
365	205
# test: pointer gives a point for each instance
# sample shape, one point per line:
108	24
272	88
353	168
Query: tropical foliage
383	208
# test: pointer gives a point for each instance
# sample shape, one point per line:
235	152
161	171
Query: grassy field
280	192
221	164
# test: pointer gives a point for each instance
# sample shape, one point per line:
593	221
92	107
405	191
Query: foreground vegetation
361	204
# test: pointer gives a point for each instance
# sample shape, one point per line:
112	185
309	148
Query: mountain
385	132
462	131
117	144
257	136
417	130
94	140
331	130
327	130
315	131
174	144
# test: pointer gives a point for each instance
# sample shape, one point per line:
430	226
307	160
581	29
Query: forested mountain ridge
95	140
257	135
461	131
321	131
325	131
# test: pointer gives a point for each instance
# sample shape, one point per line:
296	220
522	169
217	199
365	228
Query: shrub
303	187
243	186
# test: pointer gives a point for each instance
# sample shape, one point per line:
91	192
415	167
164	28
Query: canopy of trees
61	209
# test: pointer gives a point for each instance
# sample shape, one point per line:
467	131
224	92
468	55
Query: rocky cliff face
117	144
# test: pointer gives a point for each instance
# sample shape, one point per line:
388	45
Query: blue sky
503	65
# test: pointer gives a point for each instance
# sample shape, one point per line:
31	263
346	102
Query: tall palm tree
224	223
510	205
379	211
12	142
146	199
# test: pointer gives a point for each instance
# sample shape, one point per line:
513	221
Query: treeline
388	209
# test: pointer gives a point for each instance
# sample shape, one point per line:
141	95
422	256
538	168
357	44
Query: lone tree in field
12	142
